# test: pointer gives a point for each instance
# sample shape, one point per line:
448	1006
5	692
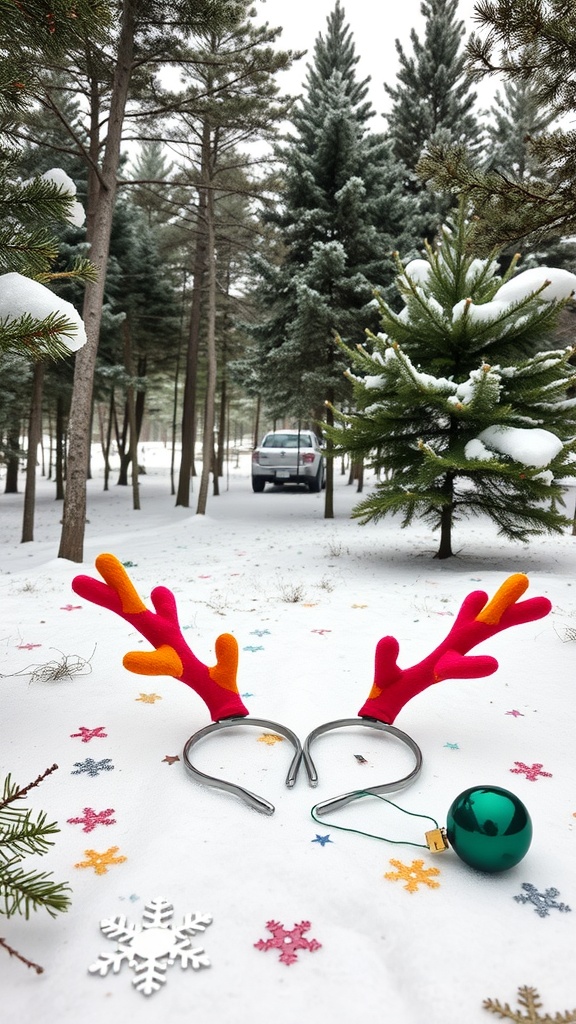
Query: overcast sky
375	27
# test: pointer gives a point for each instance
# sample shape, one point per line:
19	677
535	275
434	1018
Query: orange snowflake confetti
101	861
414	875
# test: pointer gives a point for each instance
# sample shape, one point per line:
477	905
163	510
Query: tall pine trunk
59	446
34	440
101	199
131	404
329	495
208	439
13	459
198	276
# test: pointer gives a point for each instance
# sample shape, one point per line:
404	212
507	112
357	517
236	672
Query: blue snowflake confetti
321	839
260	632
543	902
92	767
252	648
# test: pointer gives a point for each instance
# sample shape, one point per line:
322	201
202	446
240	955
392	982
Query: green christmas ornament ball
489	828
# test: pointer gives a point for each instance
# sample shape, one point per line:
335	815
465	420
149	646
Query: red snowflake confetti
289	942
70	607
88	734
92	818
530	771
28	647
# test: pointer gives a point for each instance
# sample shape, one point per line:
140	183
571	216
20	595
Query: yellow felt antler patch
506	595
224	672
116	577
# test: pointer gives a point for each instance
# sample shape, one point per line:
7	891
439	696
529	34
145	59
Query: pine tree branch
18	794
14	952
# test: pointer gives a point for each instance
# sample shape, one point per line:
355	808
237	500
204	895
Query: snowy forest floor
307	599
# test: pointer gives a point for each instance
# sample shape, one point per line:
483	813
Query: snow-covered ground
307	600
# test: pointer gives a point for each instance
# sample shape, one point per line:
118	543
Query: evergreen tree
33	33
517	116
433	97
453	403
432	102
528	41
342	214
518	119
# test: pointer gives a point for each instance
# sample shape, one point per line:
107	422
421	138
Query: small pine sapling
455	407
24	833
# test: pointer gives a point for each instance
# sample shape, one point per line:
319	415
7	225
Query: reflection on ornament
489	828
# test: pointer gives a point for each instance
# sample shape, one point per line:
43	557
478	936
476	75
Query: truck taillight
307	458
256	457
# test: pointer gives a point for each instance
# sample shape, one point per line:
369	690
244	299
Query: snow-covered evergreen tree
454	402
35	326
342	215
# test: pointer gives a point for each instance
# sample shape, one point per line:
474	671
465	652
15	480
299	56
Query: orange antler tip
224	672
506	595
116	577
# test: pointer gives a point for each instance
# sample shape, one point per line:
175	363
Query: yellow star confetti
270	738
310	604
101	861
148	698
414	875
359	606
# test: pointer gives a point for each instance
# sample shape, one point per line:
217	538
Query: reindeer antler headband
477	620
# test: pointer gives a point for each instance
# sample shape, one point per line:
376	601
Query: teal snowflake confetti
252	648
452	746
260	632
92	767
543	902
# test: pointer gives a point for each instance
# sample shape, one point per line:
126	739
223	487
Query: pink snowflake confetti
93	818
515	714
28	647
531	771
88	734
289	942
70	607
321	631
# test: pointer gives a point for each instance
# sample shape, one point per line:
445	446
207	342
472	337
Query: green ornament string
371	835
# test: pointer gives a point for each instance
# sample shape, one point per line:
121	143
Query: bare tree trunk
360	486
256	437
13	460
198	277
102	194
208	439
60	441
34	439
133	446
329	495
222	429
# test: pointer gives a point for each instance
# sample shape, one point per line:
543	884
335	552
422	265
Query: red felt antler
172	655
477	620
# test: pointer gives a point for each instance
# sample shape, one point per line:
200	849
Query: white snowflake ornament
151	947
